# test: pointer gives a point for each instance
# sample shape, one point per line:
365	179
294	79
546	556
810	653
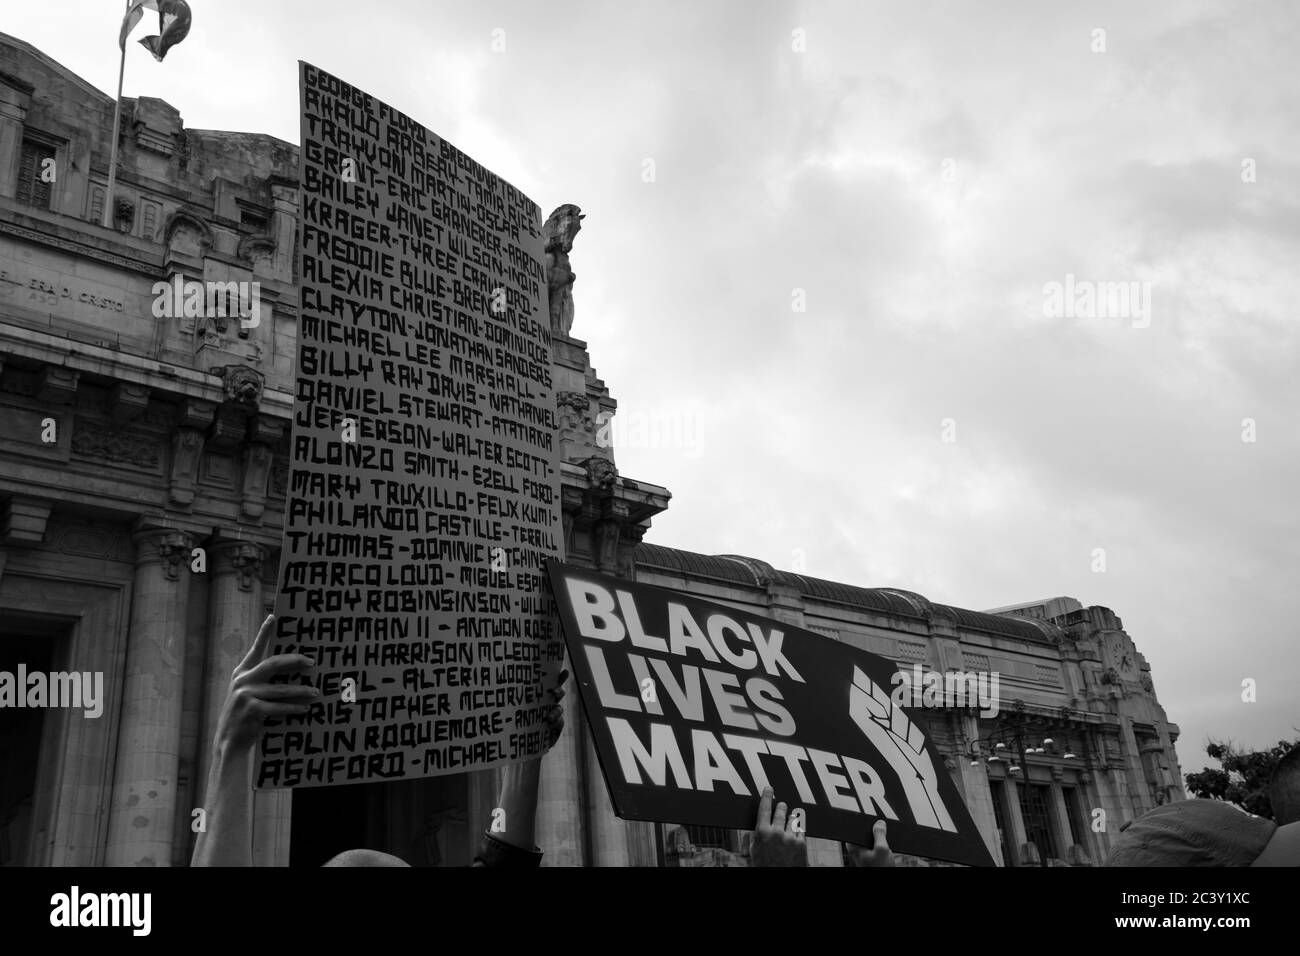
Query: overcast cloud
920	171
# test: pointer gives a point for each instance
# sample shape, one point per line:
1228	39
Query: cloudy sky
816	274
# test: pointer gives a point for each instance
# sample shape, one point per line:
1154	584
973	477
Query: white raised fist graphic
903	745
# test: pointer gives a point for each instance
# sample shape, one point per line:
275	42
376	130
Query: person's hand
553	718
880	854
228	838
252	697
775	842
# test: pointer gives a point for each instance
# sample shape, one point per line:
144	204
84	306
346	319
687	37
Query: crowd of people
1198	833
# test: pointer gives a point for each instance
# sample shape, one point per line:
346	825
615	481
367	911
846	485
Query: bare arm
519	782
227	839
519	801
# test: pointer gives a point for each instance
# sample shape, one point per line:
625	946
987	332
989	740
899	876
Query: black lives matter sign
696	707
423	490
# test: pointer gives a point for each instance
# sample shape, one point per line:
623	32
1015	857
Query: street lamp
1013	731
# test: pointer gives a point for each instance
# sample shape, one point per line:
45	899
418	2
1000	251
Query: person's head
1284	788
1204	833
365	858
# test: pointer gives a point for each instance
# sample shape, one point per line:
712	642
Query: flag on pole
173	25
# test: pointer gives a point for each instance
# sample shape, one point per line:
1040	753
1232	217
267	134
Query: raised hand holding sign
777	842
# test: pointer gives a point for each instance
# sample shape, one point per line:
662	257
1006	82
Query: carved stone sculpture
257	469
140	450
559	231
124	214
187	450
602	474
243	385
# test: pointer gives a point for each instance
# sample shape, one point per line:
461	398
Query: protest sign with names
423	493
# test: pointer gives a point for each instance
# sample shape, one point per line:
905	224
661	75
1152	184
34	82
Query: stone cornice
124	367
104	99
642	500
151	268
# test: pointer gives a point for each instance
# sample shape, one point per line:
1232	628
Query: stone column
608	833
1060	817
559	791
1127	806
272	815
973	783
1139	791
235	612
1106	799
979	800
143	803
234	615
1090	801
284	220
642	850
1014	820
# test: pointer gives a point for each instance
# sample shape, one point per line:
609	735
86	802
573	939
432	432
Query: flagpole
117	128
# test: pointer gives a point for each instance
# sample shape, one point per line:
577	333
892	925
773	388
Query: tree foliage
1243	777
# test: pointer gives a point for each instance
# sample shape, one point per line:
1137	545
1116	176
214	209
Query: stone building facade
1079	723
143	465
